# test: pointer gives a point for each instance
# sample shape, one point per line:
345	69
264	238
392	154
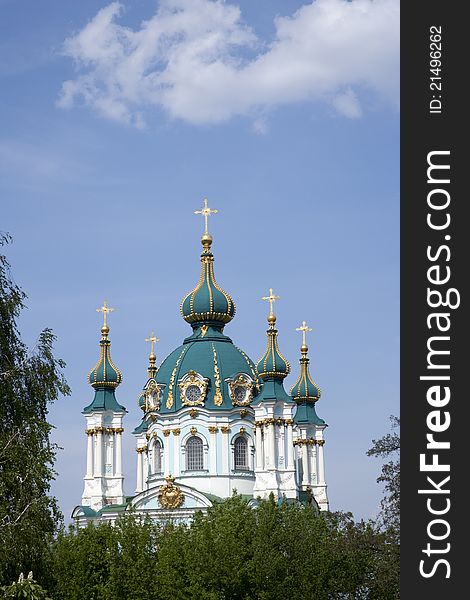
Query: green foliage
27	589
28	383
235	552
387	584
388	446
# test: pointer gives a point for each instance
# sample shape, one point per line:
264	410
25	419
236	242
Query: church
213	421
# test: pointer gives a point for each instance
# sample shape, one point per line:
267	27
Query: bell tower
274	408
104	478
309	428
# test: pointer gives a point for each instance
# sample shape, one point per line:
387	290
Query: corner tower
104	478
274	408
309	439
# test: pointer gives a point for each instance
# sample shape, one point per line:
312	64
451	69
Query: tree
387	583
389	446
235	552
29	382
25	588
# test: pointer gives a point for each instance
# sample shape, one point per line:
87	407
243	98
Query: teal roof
307	415
144	425
210	354
272	390
104	399
207	303
104	378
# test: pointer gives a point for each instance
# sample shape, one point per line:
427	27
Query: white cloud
347	104
197	61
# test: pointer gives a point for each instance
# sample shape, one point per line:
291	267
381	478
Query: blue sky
116	121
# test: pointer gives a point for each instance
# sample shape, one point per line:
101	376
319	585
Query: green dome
207	303
105	374
305	393
205	360
272	363
272	368
104	378
305	388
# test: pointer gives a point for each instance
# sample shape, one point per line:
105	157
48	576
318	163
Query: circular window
193	393
239	393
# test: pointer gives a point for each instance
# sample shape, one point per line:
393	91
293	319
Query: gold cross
271	298
105	309
304	328
206	212
152	339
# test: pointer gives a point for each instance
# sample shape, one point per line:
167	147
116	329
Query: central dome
210	358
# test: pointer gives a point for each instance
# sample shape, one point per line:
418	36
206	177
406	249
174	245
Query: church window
157	457
241	453
194	454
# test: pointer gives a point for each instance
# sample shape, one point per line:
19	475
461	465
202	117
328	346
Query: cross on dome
206	212
152	339
271	299
304	328
105	309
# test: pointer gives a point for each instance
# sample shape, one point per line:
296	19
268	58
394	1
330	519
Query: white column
89	456
118	453
313	464
166	454
305	478
213	450
176	453
321	463
225	452
259	447
281	446
139	470
145	467
290	447
99	454
271	447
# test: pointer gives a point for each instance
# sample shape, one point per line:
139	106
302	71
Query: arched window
194	454
241	453
157	457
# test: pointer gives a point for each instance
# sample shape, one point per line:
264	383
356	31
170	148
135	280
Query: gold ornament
193	380
170	496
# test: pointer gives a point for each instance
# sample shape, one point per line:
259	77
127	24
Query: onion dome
272	363
305	392
105	376
207	303
272	367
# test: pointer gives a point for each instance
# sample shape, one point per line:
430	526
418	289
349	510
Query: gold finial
206	212
152	339
271	299
304	328
105	309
